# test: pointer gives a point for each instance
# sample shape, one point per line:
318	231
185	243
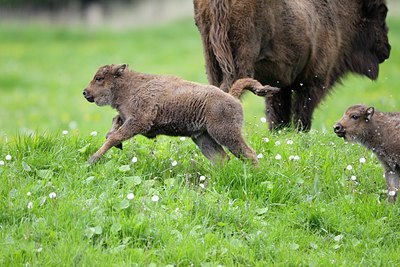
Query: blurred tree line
56	4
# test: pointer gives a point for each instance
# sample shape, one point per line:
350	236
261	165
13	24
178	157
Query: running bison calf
301	46
154	104
379	132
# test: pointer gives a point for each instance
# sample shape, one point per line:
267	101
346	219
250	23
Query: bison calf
379	132
154	104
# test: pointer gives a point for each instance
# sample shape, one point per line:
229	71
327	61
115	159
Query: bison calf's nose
337	128
87	95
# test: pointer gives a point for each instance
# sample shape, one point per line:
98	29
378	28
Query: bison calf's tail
252	85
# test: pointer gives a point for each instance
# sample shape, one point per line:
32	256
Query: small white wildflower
94	133
65	132
174	163
289	142
30	205
278	157
202	186
155	198
182	138
29	194
130	196
353	178
362	160
202	178
277	143
52	195
349	167
263	120
266	139
260	156
392	193
39	249
294	158
134	160
8	157
1	162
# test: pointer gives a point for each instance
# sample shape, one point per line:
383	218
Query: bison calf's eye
99	79
355	117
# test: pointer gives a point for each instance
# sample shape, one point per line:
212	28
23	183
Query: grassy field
313	201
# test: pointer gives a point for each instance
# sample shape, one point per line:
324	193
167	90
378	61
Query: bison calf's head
100	89
354	123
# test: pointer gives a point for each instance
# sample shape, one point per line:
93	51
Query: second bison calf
379	132
155	104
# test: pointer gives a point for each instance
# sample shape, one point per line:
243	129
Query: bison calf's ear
369	113
119	69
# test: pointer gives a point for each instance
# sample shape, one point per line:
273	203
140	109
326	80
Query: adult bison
302	46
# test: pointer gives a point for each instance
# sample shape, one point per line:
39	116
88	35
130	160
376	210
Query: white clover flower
392	193
134	160
52	195
353	178
8	157
260	156
30	205
182	138
1	162
263	120
65	132
349	167
362	160
278	157
289	142
202	178
277	143
202	186
130	196
266	139
155	198
29	194
174	163
94	133
294	158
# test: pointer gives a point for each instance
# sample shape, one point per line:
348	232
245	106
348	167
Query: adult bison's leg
306	99
279	109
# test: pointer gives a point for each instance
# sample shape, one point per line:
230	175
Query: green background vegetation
285	213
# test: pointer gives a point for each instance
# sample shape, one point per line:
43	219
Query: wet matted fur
150	105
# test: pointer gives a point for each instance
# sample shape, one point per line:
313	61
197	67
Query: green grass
306	212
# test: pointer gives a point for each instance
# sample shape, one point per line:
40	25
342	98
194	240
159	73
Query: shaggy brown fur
302	46
154	104
379	132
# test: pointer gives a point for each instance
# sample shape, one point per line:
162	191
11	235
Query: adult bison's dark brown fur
302	46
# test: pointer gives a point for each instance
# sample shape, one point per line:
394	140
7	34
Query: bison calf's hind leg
234	141
392	181
210	148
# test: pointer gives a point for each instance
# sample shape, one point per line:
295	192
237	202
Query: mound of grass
312	201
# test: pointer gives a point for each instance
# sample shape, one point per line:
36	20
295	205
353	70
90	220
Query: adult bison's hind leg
279	109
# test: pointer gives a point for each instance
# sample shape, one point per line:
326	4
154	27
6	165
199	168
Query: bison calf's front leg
116	124
126	131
